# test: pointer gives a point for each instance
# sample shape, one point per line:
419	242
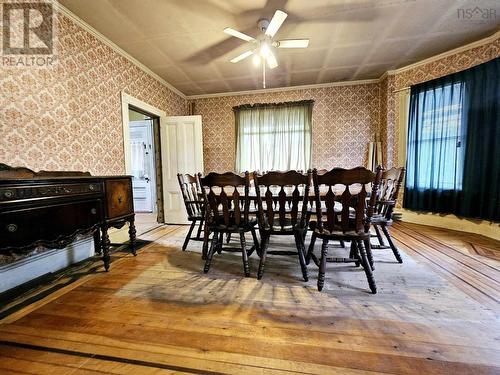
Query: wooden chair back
227	197
390	185
191	194
348	187
285	194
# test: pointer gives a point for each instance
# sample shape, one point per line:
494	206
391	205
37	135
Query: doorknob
147	179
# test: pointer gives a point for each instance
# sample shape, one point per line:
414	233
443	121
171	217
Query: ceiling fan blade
243	56
293	43
271	60
276	22
237	34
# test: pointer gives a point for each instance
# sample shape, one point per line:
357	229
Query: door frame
128	101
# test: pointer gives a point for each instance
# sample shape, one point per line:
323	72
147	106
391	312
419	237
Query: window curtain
453	148
273	136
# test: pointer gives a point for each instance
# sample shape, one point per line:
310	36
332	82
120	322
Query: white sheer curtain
273	136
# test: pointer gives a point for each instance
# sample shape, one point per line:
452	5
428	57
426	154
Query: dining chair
282	200
386	202
195	206
227	211
350	222
311	212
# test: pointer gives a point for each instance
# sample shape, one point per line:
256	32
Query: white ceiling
182	40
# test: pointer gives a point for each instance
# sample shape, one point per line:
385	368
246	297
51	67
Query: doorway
143	163
144	166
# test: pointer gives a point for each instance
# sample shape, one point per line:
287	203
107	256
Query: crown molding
451	52
84	25
288	88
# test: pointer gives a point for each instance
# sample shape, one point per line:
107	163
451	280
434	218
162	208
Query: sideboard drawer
19	228
119	197
14	193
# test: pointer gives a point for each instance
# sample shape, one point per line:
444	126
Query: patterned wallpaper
345	119
69	117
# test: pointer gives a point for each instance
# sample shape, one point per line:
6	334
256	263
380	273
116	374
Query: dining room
250	187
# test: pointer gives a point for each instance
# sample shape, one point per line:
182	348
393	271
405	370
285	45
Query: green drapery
453	163
273	136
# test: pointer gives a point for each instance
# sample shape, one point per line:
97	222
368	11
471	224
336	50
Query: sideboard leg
132	232
105	247
97	241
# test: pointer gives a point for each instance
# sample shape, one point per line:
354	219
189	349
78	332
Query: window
453	151
437	143
273	136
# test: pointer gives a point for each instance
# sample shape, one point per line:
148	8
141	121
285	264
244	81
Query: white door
181	152
143	169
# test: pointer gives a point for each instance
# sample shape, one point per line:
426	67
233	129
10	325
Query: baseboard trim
486	228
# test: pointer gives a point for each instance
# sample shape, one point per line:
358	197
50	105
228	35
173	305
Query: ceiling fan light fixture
265	50
264	46
256	60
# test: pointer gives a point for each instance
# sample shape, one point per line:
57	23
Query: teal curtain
273	136
453	150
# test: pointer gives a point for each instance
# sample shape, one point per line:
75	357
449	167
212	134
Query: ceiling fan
263	46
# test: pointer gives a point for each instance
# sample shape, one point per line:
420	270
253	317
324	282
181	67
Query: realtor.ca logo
28	34
477	14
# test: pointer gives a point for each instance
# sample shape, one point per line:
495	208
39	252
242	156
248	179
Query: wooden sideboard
51	209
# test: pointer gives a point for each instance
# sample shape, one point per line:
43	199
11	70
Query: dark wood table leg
97	241
105	247
132	234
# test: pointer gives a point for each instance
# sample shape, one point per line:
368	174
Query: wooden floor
437	313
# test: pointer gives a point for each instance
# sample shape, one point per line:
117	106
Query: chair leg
255	241
354	253
379	236
206	234
188	236
263	250
368	249
310	251
228	237
322	265
392	245
299	242
200	227
342	243
219	243
308	219
366	267
211	252
246	267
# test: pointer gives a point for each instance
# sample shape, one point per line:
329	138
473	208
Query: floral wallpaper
345	119
68	117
